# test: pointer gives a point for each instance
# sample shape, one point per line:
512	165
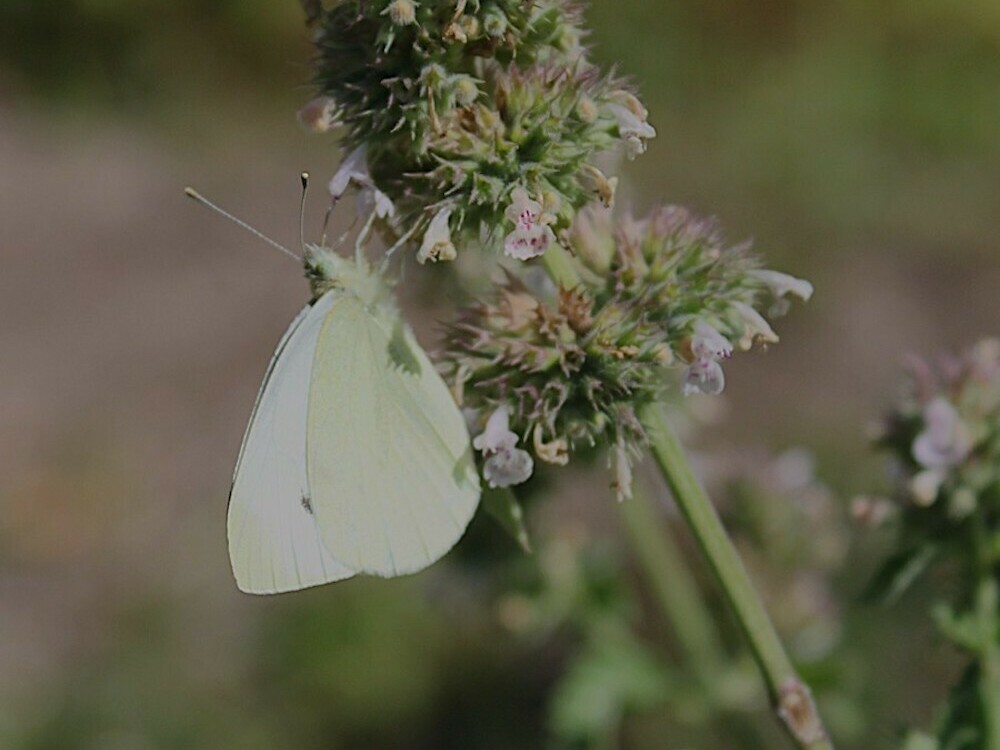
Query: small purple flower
530	237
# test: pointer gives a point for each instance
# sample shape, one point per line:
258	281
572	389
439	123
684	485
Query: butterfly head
327	270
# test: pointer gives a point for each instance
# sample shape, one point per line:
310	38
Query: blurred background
856	142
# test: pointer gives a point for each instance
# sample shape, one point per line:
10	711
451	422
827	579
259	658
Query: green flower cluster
575	367
462	105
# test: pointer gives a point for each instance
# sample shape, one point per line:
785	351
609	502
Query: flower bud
401	12
466	90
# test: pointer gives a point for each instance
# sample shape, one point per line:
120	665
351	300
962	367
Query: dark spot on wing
307	504
401	352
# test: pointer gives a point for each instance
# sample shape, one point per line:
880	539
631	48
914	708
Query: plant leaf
502	504
899	572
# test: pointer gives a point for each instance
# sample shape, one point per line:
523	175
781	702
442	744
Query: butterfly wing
390	465
274	541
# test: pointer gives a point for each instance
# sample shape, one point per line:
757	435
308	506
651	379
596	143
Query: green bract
458	104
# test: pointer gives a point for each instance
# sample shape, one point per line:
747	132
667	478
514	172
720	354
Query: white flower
507	468
704	376
354	170
925	486
945	440
708	343
373	199
633	129
497	435
755	327
530	237
781	284
505	464
437	244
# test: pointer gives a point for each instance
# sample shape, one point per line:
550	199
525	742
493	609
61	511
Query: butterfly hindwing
391	473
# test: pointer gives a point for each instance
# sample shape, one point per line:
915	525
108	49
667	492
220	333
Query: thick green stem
790	695
989	654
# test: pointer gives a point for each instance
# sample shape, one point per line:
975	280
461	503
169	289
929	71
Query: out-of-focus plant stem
986	601
676	593
789	694
683	608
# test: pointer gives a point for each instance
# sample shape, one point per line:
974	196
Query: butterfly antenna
198	197
302	211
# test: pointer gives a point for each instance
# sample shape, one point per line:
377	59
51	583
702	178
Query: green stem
789	694
989	653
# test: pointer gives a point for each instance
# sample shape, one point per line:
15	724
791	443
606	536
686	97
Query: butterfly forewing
391	473
274	541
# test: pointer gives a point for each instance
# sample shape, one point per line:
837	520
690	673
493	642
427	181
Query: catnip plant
481	131
943	444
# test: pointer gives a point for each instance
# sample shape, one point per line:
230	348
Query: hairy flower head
476	103
575	369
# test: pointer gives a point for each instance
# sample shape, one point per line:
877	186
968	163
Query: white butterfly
356	458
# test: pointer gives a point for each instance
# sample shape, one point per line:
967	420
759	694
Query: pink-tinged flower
530	237
945	440
354	171
505	464
704	374
708	343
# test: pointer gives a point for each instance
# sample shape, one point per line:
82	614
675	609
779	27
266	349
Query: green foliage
613	676
943	441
